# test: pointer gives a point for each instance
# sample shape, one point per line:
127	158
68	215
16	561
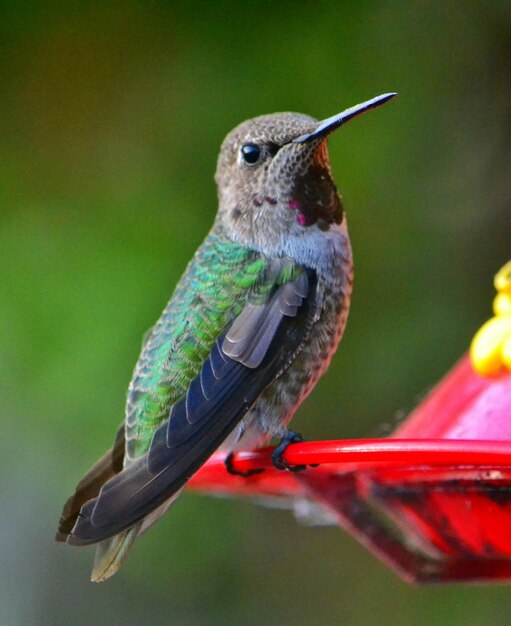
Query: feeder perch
433	500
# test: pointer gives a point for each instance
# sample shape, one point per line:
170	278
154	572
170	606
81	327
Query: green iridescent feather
215	286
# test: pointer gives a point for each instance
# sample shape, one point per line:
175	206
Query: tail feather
111	553
107	466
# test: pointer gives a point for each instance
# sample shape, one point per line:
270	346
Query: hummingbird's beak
327	126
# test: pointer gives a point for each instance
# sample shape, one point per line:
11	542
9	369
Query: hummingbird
251	326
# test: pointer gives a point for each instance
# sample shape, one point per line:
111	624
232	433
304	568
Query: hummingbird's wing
213	290
249	353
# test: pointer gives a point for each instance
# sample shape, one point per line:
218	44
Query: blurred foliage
111	118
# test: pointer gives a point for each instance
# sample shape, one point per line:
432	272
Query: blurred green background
111	116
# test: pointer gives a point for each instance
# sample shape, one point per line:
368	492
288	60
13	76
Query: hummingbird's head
274	179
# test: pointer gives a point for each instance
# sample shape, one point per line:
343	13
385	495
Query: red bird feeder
433	501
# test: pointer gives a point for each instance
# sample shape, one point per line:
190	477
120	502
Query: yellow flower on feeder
491	347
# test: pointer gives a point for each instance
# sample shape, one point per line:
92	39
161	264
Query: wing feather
252	331
228	383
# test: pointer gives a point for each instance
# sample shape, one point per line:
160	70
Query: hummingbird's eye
250	153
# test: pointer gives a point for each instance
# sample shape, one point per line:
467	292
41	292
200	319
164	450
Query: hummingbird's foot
276	456
230	468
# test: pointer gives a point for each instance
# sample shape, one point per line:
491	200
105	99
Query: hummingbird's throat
315	199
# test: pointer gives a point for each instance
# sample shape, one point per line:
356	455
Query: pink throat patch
300	217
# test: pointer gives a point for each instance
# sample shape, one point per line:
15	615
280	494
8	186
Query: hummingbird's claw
276	456
230	468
